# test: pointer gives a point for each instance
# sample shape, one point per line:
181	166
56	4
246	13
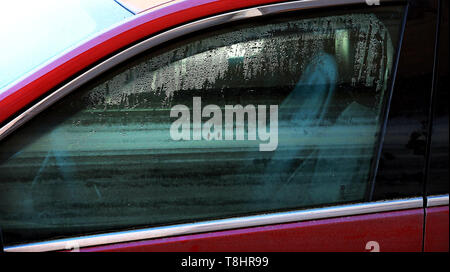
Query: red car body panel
436	229
393	231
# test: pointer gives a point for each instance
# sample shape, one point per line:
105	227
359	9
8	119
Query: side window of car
438	174
258	116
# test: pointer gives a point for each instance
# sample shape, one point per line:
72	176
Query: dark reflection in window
438	178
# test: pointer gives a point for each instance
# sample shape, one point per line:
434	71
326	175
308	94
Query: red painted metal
48	77
393	231
436	229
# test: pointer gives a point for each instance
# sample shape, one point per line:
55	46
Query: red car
220	125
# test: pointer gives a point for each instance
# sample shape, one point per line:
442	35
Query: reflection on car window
261	116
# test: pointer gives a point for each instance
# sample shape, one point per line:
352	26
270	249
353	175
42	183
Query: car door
273	133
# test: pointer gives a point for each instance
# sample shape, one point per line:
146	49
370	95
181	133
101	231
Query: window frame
221	224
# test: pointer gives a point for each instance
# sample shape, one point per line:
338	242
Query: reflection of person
328	172
58	178
308	103
303	109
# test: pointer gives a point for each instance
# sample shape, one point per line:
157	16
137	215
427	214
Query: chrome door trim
437	200
164	37
221	224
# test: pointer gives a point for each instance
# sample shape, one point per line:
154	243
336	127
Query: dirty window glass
266	115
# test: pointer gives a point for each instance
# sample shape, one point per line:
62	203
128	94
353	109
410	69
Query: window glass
266	115
438	174
402	165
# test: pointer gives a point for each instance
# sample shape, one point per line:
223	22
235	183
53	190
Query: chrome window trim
437	200
164	37
221	224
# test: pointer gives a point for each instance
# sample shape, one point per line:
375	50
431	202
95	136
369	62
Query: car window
265	115
438	173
